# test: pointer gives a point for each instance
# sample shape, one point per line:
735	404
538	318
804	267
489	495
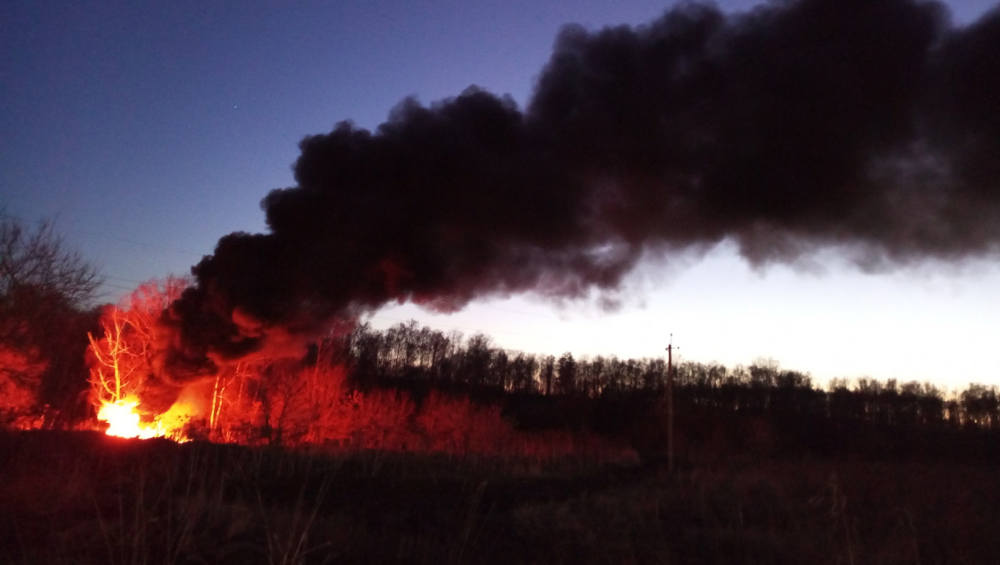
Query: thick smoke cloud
871	126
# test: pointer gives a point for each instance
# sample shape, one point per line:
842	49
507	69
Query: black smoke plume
870	126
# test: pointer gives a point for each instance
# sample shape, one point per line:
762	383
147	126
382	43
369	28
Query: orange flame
124	421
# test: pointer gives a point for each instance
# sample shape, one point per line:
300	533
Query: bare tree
38	258
43	290
567	373
123	355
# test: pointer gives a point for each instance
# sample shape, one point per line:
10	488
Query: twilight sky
148	132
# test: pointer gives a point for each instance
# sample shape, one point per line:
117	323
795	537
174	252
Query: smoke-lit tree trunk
123	356
114	373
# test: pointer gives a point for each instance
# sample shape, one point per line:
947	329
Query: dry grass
86	498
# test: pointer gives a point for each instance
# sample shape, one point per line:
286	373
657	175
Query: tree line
47	314
409	352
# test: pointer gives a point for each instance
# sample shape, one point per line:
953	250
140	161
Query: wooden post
670	404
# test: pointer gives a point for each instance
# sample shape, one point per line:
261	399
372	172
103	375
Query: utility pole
670	404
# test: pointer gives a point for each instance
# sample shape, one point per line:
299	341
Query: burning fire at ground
288	401
125	421
121	364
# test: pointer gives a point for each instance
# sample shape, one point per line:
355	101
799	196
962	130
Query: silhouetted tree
981	405
566	377
38	258
547	373
845	404
522	370
931	404
365	346
477	359
44	292
654	374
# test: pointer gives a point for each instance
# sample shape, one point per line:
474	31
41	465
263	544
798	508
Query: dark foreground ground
76	497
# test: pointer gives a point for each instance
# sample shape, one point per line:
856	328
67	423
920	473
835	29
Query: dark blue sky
164	124
149	130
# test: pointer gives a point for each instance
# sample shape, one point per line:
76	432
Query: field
82	497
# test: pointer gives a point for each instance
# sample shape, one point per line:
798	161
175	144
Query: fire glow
125	421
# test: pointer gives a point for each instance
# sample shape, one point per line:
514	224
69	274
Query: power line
136	243
122	279
105	235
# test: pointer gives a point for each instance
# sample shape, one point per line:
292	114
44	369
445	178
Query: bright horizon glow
910	324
